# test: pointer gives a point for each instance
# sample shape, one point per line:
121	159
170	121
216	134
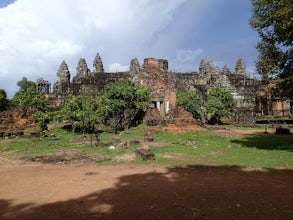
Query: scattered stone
65	157
149	139
134	142
191	143
7	134
112	147
123	145
281	130
19	133
116	139
144	154
35	134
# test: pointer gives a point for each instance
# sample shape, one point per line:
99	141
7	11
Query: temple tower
134	69
240	67
61	87
98	64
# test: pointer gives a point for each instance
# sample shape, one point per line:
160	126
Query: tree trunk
91	139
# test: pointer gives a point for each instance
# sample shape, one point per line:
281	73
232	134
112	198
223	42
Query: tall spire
203	67
82	69
98	64
63	74
240	67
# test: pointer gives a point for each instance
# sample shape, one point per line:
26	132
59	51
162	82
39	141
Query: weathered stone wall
154	74
164	84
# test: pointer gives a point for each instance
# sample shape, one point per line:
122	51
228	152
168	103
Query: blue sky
4	3
35	36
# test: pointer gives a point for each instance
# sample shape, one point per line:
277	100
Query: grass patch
192	148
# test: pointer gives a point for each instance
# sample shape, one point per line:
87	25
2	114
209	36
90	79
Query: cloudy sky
35	36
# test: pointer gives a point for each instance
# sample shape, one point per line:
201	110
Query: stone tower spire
226	70
82	69
134	66
203	67
63	74
210	67
63	80
98	64
134	69
240	67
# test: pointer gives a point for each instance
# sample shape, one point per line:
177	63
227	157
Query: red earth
87	191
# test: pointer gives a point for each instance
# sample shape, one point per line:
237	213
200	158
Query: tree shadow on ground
195	192
267	142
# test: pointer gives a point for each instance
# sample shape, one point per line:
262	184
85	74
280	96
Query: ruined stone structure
43	86
154	75
162	83
268	102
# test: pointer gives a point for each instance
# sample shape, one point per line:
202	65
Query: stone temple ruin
162	83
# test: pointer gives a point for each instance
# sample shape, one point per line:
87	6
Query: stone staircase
224	81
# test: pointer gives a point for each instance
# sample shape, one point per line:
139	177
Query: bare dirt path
46	191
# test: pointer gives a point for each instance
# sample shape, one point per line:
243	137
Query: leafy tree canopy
81	111
42	119
24	84
273	21
219	103
122	103
30	98
191	102
4	102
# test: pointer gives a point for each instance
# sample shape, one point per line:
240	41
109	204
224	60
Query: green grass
256	151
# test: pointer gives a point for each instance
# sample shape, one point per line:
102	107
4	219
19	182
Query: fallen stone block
144	154
116	139
134	142
148	139
35	134
282	131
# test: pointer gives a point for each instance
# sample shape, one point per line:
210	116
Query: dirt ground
46	191
74	188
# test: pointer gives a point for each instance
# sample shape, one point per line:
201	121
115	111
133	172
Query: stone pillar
167	107
158	104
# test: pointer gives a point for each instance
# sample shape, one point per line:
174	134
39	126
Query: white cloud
58	48
35	36
188	55
117	67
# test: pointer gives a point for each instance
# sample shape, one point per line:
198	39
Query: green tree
30	98
191	102
219	104
4	102
81	111
272	20
123	103
42	119
24	84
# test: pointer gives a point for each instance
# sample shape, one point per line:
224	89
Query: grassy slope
258	151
